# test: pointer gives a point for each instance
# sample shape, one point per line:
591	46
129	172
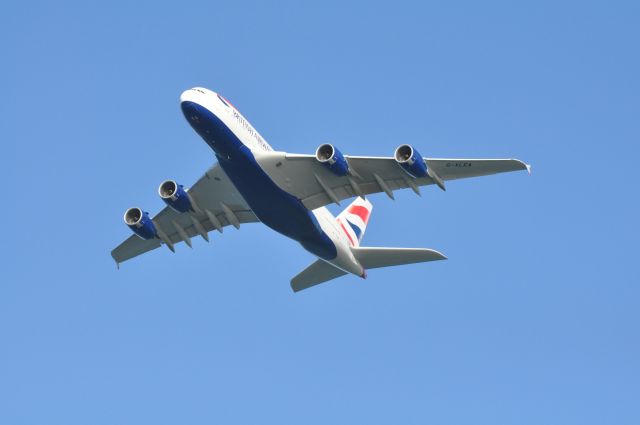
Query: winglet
522	164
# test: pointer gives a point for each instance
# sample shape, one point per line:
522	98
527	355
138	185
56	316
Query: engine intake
140	222
411	161
174	195
333	159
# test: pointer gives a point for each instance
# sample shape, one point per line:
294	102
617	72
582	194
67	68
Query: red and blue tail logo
353	220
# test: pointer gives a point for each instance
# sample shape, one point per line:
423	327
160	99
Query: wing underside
308	180
217	204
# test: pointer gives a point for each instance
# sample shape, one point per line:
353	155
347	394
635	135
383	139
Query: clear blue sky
532	320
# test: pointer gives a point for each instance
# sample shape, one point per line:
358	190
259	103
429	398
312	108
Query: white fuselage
230	135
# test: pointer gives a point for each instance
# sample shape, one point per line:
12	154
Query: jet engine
140	222
333	159
174	195
411	161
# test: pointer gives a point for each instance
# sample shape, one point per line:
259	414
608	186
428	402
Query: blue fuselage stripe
276	208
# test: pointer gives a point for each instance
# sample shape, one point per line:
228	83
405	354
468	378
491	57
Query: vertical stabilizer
353	220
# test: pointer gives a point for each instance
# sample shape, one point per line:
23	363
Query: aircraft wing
217	204
310	181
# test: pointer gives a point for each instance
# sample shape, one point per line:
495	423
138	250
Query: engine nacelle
174	195
410	160
140	222
333	159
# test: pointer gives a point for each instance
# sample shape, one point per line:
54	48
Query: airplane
289	193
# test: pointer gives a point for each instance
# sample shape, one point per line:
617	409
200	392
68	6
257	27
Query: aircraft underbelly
275	207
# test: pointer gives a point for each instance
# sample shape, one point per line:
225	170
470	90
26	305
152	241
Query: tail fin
372	258
353	220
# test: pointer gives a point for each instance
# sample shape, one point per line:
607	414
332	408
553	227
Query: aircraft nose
186	95
191	110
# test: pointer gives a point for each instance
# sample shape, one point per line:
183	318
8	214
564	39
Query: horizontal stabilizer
373	257
369	258
316	273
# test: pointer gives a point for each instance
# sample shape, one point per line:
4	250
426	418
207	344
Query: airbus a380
288	192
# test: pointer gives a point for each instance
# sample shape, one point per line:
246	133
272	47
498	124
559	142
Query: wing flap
185	222
320	199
